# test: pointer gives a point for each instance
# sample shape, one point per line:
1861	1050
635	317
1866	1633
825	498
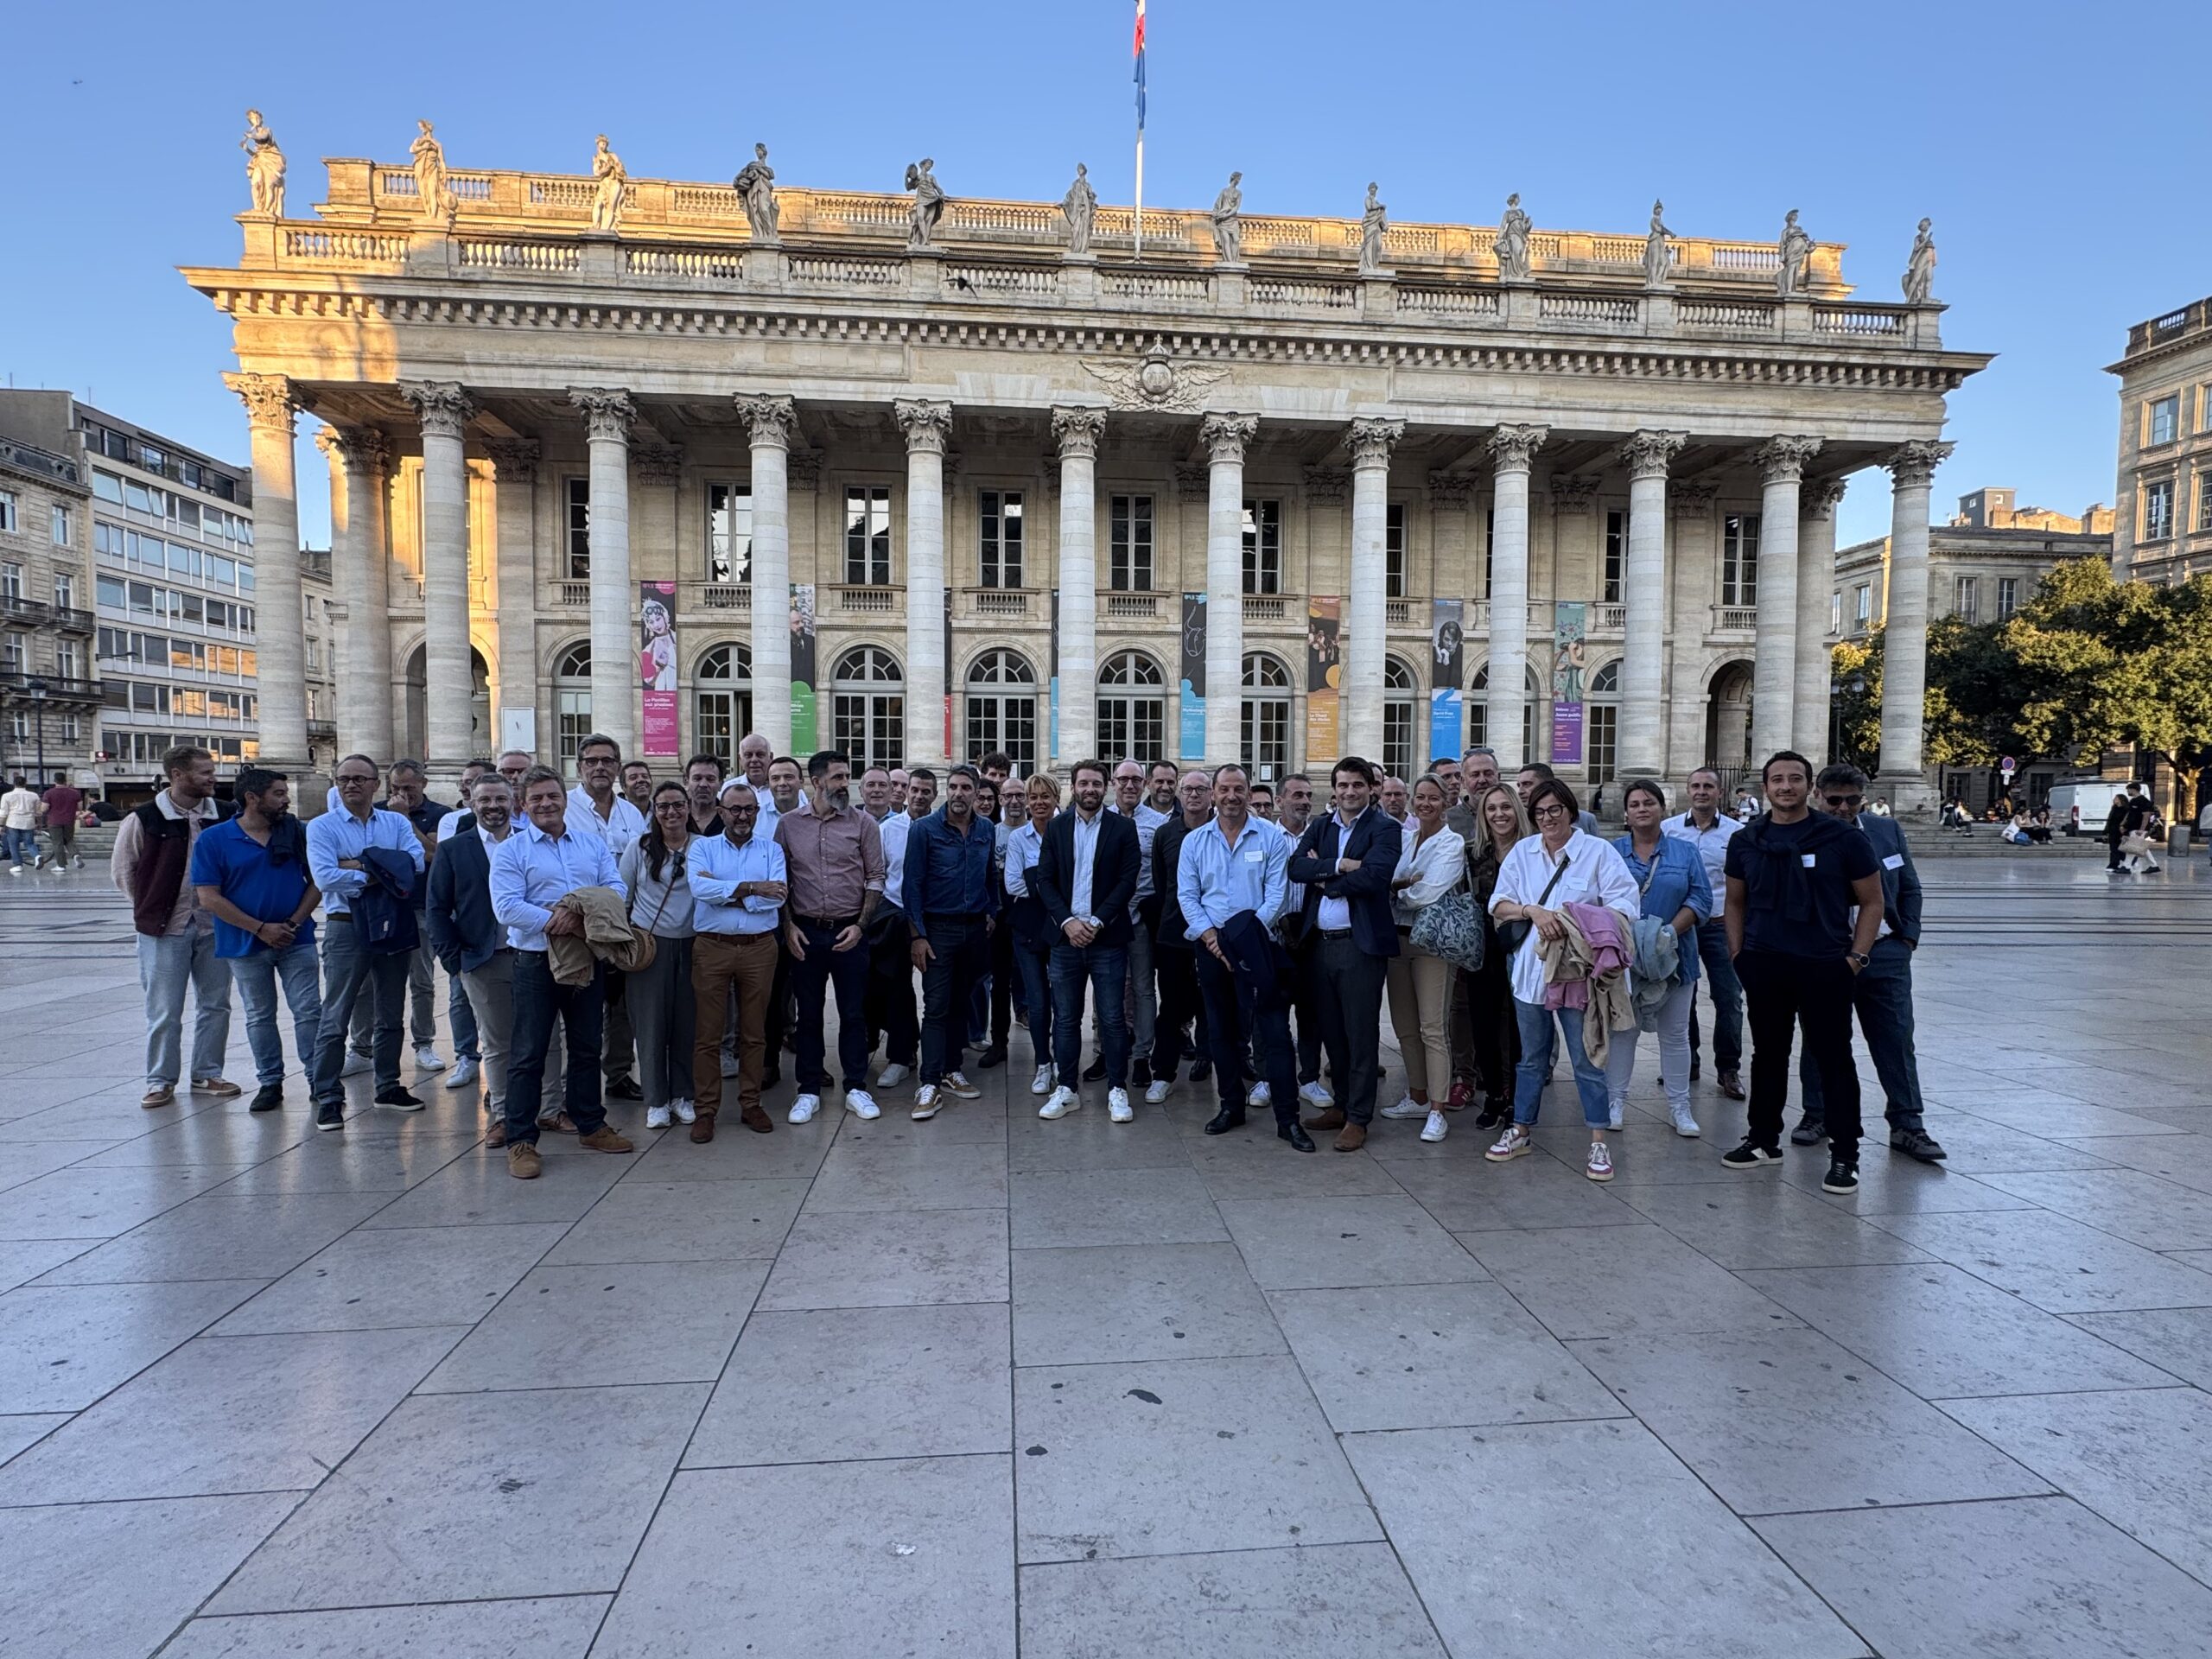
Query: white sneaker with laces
685	1112
862	1104
657	1117
1405	1106
355	1064
1042	1083
1262	1095
1063	1100
1601	1162
426	1058
805	1108
463	1073
1437	1128
1685	1125
1157	1091
1513	1143
1316	1093
929	1101
1117	1106
892	1076
1613	1115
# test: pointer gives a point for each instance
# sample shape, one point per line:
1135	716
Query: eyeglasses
743	809
671	806
1843	800
1543	814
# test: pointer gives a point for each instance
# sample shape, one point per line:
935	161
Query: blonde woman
1431	864
1500	821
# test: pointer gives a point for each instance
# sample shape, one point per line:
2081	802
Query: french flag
1139	68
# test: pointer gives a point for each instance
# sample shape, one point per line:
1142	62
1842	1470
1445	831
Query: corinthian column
1774	657
357	458
769	419
1078	432
1816	506
1904	636
1643	594
1371	441
927	425
280	649
607	415
514	505
1512	449
1224	438
448	687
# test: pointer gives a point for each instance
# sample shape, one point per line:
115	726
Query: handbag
1451	928
1510	934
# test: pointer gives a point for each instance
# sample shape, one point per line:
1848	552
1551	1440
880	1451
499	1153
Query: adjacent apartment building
2162	500
49	698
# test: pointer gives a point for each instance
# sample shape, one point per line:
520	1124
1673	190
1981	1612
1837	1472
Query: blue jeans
1727	992
1536	1023
1107	969
1035	964
350	973
23	845
959	949
1883	995
257	978
166	966
538	998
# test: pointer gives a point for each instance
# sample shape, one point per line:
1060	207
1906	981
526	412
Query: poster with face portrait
1570	661
1325	673
803	701
657	665
1447	631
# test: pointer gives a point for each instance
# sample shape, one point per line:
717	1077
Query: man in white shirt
595	804
1709	830
755	752
20	810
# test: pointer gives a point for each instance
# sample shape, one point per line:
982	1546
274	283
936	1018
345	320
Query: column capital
608	412
659	463
1512	449
443	409
1372	439
1820	497
1078	432
267	398
1451	489
1324	486
1782	460
514	459
356	448
768	417
1225	436
926	422
1650	453
1912	466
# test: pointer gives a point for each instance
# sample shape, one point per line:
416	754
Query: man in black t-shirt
1793	876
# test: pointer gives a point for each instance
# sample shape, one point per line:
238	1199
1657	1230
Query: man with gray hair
470	942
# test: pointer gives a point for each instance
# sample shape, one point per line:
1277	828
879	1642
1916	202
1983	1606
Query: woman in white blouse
1432	862
1559	865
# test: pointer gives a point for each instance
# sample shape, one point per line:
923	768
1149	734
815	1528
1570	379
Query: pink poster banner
656	668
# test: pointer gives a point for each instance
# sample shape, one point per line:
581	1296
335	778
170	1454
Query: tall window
1740	558
869	707
1265	717
572	704
1490	545
1862	607
11	582
60	521
998	557
721	701
1835	613
729	532
1969	599
1603	713
1263	547
2008	596
867	536
1401	707
8	511
1130	537
577	500
1393	549
2162	419
1478	712
1616	558
1132	706
2204	499
65	589
1002	708
2159	510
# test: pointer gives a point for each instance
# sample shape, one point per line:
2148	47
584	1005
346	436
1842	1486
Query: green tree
1971	714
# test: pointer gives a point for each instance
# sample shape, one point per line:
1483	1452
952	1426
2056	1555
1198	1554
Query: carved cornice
1513	448
607	413
515	459
1574	491
355	448
804	469
267	398
1194	483
1692	498
1324	485
1451	489
1782	460
1372	441
1912	466
441	406
926	423
1078	432
1225	436
768	418
1650	453
657	463
1156	381
1820	497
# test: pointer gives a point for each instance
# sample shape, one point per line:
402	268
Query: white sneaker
1437	1128
1063	1100
684	1110
1601	1162
1405	1107
1613	1116
929	1101
1316	1093
892	1076
657	1117
1513	1143
1042	1083
862	1104
805	1108
1262	1095
426	1058
355	1064
1117	1106
463	1073
1685	1125
1157	1091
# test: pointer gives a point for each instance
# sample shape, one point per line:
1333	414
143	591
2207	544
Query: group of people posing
629	938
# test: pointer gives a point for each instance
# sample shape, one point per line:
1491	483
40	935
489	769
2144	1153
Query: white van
2080	809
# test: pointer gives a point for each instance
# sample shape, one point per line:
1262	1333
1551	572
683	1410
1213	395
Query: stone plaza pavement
991	1385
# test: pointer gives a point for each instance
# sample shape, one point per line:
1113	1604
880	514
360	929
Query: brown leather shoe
757	1121
1330	1117
603	1139
523	1161
1730	1086
558	1122
1351	1137
496	1136
702	1130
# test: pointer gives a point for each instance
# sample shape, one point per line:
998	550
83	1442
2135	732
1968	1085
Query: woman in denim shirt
1671	876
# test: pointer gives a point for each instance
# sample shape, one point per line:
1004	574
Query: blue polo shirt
227	859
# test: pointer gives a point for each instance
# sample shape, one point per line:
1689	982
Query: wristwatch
1859	959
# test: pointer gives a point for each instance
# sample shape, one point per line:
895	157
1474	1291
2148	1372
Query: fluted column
1513	449
357	458
515	463
1224	438
280	640
448	687
1774	657
927	424
1078	432
1644	595
1371	441
1905	635
607	415
1816	505
769	420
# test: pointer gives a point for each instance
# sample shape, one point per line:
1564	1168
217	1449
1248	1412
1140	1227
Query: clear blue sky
2059	146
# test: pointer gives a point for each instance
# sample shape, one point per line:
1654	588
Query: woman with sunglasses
1671	878
662	1006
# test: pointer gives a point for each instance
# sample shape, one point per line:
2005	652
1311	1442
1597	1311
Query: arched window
869	707
1478	715
1131	708
1002	708
1603	719
721	701
1265	717
572	704
1402	722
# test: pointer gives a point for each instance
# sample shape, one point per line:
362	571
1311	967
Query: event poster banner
1053	751
1448	635
657	665
805	706
1570	654
1324	675
1191	719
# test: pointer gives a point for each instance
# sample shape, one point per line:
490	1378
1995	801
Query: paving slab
551	1627
1100	1303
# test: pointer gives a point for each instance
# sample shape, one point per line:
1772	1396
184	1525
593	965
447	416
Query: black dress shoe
1496	1109
1140	1074
1697	1068
1917	1143
397	1095
1809	1131
1201	1069
270	1098
625	1089
1228	1118
1299	1140
994	1055
1095	1071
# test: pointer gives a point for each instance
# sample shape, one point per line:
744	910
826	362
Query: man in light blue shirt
532	870
739	885
336	842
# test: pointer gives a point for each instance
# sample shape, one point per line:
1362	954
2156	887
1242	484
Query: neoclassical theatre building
923	475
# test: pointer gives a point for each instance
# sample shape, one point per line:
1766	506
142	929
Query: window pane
579	529
729	532
1263	547
1615	556
1393	549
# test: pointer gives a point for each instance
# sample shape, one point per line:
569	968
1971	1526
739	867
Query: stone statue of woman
265	167
1373	221
1229	222
1920	269
928	206
435	198
606	198
756	185
1081	207
1795	249
1511	243
1658	258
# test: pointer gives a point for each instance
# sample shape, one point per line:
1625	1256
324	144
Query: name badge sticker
1894	862
1806	859
1257	855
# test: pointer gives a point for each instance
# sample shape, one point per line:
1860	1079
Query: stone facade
50	697
2163	501
1983	565
931	495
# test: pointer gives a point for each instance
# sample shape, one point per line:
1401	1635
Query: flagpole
1140	239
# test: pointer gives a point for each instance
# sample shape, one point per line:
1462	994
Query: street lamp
37	688
1856	685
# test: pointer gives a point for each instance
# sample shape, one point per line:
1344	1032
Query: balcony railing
1117	606
1742	619
21	689
574	596
38	613
997	605
41	463
865	601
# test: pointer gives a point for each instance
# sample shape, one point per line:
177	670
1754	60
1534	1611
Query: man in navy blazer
469	940
1086	876
1882	993
1344	860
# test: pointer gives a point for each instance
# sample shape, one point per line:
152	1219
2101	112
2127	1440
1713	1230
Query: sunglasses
1843	800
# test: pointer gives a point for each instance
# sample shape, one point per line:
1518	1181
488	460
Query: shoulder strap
1548	886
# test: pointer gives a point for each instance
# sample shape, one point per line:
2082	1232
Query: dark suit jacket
1900	882
1375	841
463	930
1113	875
